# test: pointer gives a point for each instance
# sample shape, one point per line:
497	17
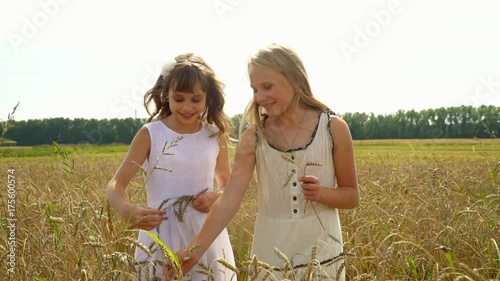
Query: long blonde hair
189	69
284	60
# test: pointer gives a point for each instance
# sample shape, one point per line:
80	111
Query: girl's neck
181	128
291	129
293	115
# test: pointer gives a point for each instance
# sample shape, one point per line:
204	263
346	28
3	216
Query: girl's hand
187	263
204	201
142	216
311	187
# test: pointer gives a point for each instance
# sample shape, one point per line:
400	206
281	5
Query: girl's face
186	108
271	90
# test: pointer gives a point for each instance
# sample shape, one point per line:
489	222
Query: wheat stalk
181	202
283	257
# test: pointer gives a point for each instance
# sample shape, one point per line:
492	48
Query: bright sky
95	59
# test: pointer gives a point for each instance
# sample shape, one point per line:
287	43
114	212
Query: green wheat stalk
167	253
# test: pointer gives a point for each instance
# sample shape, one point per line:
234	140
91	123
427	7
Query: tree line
440	123
450	122
73	131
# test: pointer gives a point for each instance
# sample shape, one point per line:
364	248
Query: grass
447	147
50	150
429	210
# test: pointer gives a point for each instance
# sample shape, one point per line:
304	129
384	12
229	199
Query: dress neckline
182	134
304	147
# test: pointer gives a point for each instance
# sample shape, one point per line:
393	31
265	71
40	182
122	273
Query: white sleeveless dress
286	221
192	164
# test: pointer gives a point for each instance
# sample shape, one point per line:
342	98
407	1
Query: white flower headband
167	67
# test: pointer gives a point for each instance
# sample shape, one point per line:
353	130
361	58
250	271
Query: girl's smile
186	109
271	89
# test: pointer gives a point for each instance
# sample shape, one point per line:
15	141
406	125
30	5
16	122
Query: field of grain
429	210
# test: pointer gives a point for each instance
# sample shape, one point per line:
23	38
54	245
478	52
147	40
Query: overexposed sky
95	59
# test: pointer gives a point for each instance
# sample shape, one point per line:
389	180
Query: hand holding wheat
142	216
203	202
171	270
311	187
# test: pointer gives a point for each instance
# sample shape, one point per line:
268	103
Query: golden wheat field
429	210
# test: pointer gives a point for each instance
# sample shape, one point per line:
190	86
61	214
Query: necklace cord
290	146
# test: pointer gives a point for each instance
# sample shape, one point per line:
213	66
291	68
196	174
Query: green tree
236	121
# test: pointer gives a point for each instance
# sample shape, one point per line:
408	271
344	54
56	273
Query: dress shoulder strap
330	114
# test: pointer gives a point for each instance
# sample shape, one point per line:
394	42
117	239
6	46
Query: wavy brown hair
284	60
189	70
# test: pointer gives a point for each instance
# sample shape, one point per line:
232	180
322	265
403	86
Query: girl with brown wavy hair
183	151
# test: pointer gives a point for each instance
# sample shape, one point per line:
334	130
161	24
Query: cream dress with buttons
288	222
